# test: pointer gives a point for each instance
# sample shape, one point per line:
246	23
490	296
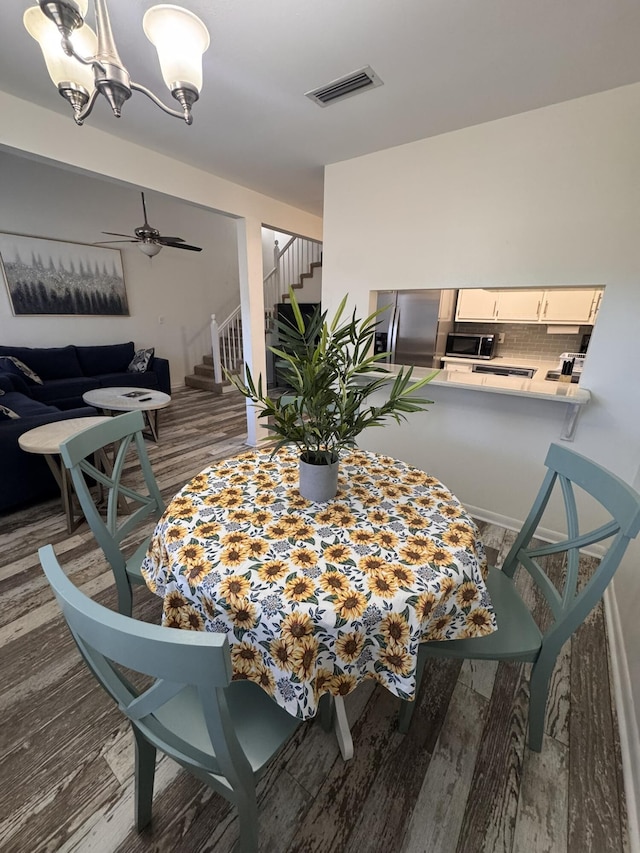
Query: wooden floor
462	779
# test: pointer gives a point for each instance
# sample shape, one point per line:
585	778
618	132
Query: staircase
292	266
298	285
203	377
296	263
227	339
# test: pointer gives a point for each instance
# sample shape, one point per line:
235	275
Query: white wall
45	135
269	237
550	197
183	288
311	290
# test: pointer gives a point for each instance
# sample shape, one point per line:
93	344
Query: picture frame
62	278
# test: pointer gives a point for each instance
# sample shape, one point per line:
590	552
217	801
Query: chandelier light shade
62	68
84	64
180	38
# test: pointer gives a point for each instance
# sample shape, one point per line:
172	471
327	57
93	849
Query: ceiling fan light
62	68
149	248
180	38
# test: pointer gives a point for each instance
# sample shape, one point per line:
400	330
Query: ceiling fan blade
103	242
166	240
183	246
116	234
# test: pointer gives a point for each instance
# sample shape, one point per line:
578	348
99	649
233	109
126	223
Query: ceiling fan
149	239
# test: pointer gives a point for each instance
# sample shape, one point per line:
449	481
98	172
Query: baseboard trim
621	679
543	533
627	719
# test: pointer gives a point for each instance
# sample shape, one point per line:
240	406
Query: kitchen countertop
542	389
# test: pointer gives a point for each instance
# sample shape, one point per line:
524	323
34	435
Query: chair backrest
570	604
178	661
86	455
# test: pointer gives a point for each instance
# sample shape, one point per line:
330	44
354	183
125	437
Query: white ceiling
445	64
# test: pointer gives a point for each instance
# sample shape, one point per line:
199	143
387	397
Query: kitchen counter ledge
573	396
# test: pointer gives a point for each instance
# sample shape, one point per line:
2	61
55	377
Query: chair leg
407	708
145	772
538	690
405	715
248	818
125	597
326	709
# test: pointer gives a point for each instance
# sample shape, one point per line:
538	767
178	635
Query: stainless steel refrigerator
415	325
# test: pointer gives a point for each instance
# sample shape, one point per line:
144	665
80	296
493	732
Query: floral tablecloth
317	597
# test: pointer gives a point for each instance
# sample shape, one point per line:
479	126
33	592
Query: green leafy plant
329	367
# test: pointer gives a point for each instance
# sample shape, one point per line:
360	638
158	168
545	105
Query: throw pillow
11	364
8	413
140	361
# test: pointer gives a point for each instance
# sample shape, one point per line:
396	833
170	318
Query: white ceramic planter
318	483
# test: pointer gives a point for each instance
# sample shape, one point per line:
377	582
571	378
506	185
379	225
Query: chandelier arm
80	116
185	115
71	51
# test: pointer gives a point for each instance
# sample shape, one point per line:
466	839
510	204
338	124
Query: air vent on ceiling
345	87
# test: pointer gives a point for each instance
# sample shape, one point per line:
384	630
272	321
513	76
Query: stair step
208	360
297	285
204	370
204	383
314	266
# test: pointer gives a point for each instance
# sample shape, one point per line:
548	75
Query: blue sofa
66	374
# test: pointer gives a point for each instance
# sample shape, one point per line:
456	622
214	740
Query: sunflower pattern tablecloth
317	597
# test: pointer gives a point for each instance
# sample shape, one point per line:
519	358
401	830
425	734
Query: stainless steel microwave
470	346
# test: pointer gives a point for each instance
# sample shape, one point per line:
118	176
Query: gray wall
180	288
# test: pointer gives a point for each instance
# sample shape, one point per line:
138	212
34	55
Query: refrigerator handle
395	322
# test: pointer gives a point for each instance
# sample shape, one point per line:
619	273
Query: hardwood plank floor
461	780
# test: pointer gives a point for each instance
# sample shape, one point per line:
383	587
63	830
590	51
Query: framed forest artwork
53	277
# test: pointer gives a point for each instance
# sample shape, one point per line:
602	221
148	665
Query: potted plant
331	371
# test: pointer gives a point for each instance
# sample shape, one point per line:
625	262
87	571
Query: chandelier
84	64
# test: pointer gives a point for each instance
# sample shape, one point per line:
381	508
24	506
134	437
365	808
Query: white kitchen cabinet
500	306
570	306
447	305
476	304
519	305
457	365
557	305
596	305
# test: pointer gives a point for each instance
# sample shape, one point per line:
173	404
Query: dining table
317	597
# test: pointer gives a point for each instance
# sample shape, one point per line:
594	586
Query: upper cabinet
476	304
571	305
500	305
519	306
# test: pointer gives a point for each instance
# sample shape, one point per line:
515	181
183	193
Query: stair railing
289	265
226	344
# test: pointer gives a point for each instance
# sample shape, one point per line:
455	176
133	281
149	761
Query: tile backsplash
527	339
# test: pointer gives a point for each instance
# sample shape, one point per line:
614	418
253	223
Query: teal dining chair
114	510
223	733
518	637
